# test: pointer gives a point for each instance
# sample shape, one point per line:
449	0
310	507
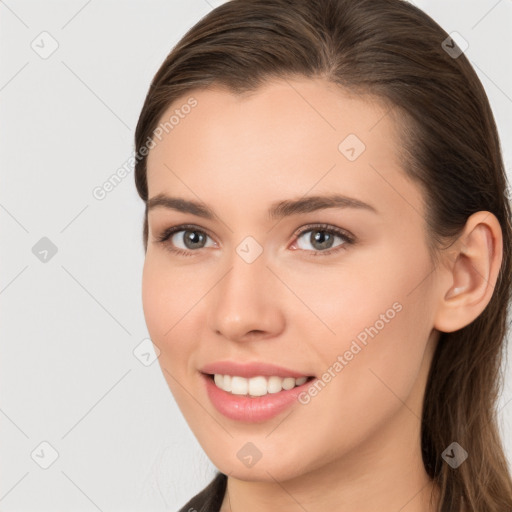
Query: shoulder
210	498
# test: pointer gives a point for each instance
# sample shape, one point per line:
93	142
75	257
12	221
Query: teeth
255	386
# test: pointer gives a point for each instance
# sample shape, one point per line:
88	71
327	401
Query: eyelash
347	239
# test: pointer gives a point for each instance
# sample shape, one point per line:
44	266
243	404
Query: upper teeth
255	386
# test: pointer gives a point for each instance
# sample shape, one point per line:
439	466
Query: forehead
284	139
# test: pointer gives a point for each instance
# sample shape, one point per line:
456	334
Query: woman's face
354	310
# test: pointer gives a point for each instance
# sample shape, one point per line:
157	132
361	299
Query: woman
327	269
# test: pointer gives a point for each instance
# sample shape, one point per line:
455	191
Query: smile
256	386
273	399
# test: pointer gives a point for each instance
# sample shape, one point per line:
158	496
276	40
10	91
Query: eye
187	239
189	236
321	238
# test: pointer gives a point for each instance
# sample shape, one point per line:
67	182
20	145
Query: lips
252	369
249	409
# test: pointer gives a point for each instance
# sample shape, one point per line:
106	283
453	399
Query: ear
469	272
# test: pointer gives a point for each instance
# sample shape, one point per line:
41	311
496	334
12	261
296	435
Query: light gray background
69	326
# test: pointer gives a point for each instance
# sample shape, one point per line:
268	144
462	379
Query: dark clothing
210	498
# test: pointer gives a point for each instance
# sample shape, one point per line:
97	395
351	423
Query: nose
245	304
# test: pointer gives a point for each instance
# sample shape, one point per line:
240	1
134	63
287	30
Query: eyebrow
277	210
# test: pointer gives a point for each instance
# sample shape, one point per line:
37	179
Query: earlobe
468	279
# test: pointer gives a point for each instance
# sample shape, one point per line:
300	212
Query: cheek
380	316
365	292
165	304
173	299
370	367
153	286
167	295
165	307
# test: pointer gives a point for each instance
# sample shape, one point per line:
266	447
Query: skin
356	445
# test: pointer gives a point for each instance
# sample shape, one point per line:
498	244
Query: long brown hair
450	146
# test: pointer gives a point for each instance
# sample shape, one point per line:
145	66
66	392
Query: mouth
256	386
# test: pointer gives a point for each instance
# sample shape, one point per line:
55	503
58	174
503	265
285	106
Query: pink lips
247	408
251	409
